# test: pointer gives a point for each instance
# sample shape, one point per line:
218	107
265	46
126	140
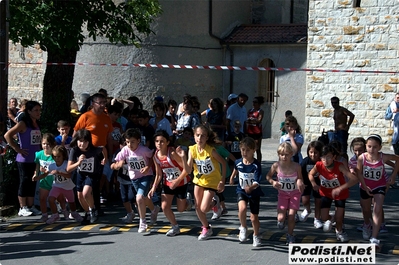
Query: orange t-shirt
99	126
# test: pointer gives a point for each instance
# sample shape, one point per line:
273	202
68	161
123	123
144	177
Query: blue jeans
142	185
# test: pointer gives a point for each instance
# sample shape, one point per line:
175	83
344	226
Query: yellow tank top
206	168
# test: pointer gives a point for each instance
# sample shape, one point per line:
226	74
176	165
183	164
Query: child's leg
291	221
43	195
62	201
306	202
53	206
202	204
339	218
181	198
255	223
377	216
167	208
366	209
254	205
142	186
317	210
88	196
242	212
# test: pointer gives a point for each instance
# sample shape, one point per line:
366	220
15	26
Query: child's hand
42	169
53	172
103	161
231	182
248	189
335	192
180	152
144	169
316	187
151	192
276	185
220	186
301	186
174	183
35	178
118	165
368	190
81	158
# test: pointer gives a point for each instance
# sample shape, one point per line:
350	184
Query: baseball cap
232	96
158	99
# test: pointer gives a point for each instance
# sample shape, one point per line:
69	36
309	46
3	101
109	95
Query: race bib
125	170
329	183
171	173
45	164
373	174
205	166
87	165
35	137
245	179
136	163
60	179
116	134
235	147
287	184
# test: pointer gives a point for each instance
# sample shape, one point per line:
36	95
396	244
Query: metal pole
3	58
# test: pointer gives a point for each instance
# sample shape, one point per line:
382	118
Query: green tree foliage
61	26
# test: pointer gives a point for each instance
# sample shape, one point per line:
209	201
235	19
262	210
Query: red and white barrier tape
215	67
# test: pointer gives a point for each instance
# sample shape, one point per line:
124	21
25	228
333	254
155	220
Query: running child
249	172
371	174
208	175
62	185
333	187
169	170
87	159
139	160
314	153
289	184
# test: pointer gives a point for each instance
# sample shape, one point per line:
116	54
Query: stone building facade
360	35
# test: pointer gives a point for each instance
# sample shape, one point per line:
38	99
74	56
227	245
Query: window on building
356	3
266	86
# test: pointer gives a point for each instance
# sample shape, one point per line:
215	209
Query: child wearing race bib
373	184
233	140
87	159
62	185
139	161
169	169
249	172
289	184
43	160
333	187
208	175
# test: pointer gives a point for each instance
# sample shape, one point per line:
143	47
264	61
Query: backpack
388	113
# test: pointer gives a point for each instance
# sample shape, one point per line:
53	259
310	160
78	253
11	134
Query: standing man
235	112
395	105
342	123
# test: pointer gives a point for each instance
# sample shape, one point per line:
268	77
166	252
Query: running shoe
206	233
66	214
175	230
216	207
44	218
290	239
93	216
189	199
342	236
54	217
128	219
242	236
75	215
154	215
375	242
317	223
142	227
360	228
304	215
86	219
257	242
281	225
24	211
35	211
224	212
327	226
366	231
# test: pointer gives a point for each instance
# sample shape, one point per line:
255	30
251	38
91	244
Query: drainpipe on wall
210	20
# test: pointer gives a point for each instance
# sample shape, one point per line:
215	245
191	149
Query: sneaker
242	236
175	230
216	215
217	203
290	239
86	219
333	223
383	228
75	215
154	215
317	223
142	227
304	215
327	226
93	216
35	211
342	236
53	218
281	225
366	232
257	242
128	219
296	218
360	228
375	242
224	211
66	214
206	233
189	199
44	218
24	211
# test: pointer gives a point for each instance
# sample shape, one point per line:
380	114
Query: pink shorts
289	200
56	191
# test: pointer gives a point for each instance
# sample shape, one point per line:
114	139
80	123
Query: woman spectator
216	118
12	113
187	118
254	124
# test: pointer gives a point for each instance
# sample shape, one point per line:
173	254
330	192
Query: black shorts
180	192
254	202
86	180
221	196
326	203
365	196
309	189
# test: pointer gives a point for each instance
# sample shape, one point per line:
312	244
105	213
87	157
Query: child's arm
389	157
269	177
158	178
64	174
359	174
222	162
352	181
299	181
149	165
311	175
178	159
72	166
187	163
232	177
256	183
36	176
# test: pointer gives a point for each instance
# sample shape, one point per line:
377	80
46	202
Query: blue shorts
142	185
128	193
84	180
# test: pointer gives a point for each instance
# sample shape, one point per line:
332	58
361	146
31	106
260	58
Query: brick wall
344	37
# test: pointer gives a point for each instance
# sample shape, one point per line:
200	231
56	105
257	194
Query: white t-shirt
393	106
60	181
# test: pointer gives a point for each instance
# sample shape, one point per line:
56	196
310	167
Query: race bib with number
246	179
125	170
287	184
136	163
45	164
35	137
60	179
235	147
374	174
205	166
116	134
329	183
87	165
171	173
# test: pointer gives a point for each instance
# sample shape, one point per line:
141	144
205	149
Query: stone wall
344	37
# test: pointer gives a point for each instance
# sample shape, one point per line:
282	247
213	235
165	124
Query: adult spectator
395	105
186	119
395	138
254	124
231	99
180	108
12	112
216	118
133	103
29	136
237	112
343	119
